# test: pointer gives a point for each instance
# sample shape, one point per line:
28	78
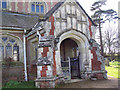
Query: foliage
9	62
16	84
110	40
113	69
100	16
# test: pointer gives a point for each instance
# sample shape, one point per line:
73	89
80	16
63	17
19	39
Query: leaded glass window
9	48
4	4
1	52
37	7
4	39
33	8
16	52
12	41
8	51
42	9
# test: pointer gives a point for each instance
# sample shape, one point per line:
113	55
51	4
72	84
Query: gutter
11	28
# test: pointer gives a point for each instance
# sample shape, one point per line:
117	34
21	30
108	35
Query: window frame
12	42
6	4
38	4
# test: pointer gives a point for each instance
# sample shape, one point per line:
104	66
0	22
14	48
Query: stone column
46	73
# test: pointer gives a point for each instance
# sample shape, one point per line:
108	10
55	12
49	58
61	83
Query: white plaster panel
68	22
84	28
63	26
73	9
78	14
63	12
79	26
58	14
74	23
68	9
57	28
83	18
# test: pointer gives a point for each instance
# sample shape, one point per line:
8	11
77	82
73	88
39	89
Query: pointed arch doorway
69	50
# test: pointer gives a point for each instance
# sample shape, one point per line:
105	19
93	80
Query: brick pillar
98	66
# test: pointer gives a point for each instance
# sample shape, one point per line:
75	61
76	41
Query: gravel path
110	83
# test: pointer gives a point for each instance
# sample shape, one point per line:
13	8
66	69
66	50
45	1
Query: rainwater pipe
25	66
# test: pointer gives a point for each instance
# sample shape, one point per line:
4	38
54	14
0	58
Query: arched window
1	52
8	51
16	52
38	7
9	48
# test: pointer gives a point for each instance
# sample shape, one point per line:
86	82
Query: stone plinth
48	82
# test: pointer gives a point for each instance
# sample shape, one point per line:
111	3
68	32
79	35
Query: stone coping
48	78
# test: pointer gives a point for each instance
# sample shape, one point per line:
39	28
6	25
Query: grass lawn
16	84
113	69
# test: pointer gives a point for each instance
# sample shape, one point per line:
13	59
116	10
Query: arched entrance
69	50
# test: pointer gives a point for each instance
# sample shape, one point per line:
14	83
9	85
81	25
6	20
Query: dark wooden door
75	69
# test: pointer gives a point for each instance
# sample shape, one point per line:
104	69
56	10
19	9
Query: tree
110	40
100	16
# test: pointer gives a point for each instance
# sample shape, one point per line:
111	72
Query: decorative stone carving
46	41
43	61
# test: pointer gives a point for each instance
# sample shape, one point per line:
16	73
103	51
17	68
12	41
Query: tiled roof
25	21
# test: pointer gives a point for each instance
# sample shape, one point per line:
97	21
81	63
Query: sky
110	4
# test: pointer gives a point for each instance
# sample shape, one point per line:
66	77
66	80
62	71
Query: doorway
69	49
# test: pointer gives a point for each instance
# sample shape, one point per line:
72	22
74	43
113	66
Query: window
42	9
16	52
33	8
9	48
4	4
1	52
37	7
8	51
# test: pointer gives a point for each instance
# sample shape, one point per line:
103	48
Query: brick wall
21	6
12	73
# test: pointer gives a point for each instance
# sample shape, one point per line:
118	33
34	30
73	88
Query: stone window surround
17	41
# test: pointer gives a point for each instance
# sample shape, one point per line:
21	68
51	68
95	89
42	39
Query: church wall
69	21
68	16
18	36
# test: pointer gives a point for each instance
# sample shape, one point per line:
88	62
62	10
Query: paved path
110	83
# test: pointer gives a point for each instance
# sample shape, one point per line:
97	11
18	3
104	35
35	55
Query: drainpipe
25	66
51	3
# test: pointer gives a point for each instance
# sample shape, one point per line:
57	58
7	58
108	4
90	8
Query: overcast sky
110	4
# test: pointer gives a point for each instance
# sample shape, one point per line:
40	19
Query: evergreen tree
100	16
